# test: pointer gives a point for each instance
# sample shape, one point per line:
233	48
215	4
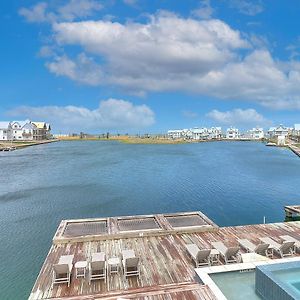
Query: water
289	277
232	182
236	285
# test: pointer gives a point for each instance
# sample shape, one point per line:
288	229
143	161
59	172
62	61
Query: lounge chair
288	238
284	249
250	247
97	269
200	257
229	254
131	266
63	269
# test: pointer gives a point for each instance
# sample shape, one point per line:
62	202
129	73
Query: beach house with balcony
42	131
278	131
232	133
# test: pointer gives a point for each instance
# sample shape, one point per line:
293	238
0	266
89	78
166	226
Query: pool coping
204	273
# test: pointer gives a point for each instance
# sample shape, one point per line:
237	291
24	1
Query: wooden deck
167	271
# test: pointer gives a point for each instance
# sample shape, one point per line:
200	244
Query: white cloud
73	9
248	7
204	11
112	114
78	9
238	117
170	53
83	69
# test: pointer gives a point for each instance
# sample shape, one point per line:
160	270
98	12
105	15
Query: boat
271	144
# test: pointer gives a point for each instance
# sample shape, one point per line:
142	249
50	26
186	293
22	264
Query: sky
142	66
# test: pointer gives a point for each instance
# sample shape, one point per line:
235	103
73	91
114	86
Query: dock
292	211
167	271
295	149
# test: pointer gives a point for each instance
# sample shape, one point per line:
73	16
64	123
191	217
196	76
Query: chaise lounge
97	269
200	257
288	238
261	249
131	263
63	269
284	249
229	254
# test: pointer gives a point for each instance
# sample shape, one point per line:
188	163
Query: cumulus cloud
130	2
112	114
170	53
73	9
238	117
83	69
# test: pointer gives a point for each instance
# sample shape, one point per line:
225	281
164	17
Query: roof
21	123
39	125
297	126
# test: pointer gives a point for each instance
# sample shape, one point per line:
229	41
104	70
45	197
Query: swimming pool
280	280
236	285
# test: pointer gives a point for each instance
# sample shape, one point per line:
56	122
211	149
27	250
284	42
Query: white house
257	133
175	134
215	133
199	133
278	131
17	129
296	131
232	133
5	131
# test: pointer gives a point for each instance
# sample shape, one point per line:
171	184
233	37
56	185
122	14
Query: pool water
236	285
290	277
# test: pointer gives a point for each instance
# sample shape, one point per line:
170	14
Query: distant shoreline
149	140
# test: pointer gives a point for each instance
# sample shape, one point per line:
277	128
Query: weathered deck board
166	269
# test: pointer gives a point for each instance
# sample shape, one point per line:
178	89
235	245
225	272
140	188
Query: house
257	133
232	133
215	133
17	129
295	133
5	131
175	134
281	130
42	131
199	133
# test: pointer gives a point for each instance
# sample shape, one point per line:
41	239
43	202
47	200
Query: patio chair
250	247
131	266
284	249
229	254
97	269
200	257
288	238
63	269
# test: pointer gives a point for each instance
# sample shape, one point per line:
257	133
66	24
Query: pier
167	270
295	149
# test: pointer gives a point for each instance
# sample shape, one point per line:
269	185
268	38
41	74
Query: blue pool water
290	277
236	285
231	182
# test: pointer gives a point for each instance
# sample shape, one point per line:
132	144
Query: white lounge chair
131	266
250	247
288	238
284	249
97	269
229	254
200	257
63	269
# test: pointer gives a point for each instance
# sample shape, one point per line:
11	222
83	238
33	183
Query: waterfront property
196	133
257	133
24	131
159	242
232	133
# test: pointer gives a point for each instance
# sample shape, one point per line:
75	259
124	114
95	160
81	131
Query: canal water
231	182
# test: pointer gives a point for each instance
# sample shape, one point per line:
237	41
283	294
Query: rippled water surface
232	182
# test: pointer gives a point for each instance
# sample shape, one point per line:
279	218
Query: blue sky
149	66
